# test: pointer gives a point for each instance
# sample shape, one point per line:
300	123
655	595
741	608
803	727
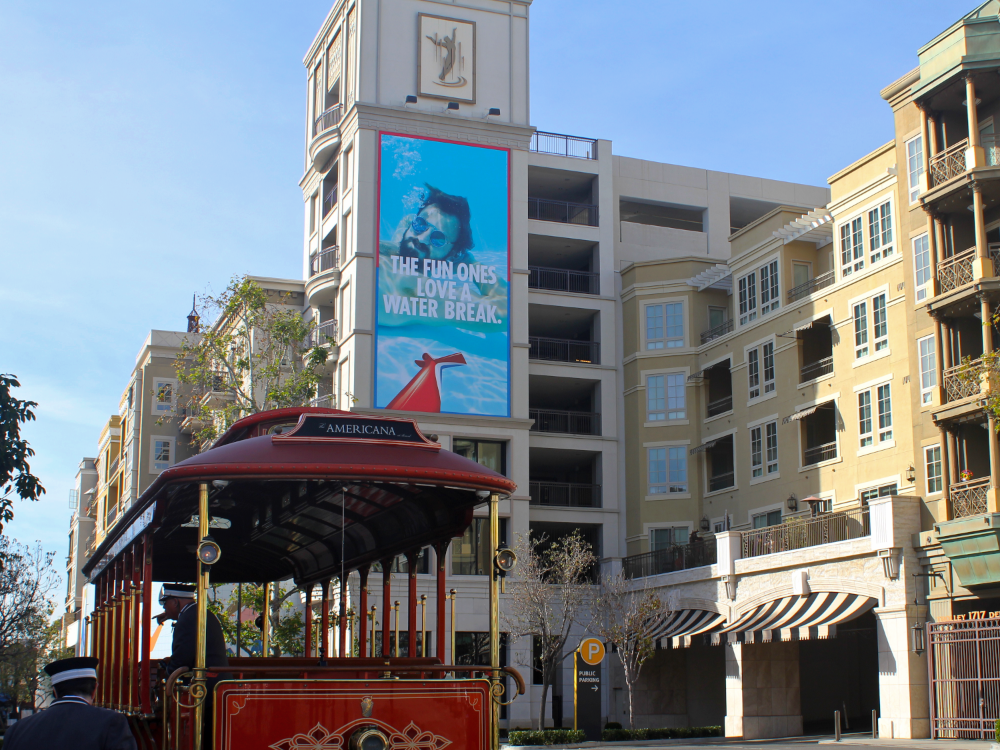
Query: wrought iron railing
565	212
949	163
720	330
565	494
962	381
694	554
818	453
324	333
562	280
799	533
568	422
330	200
956	271
564	350
994	250
969	498
804	290
721	481
816	369
720	405
563	145
991	149
327	120
327	259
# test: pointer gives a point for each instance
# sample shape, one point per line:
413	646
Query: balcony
564	212
956	271
720	406
815	370
962	381
809	532
969	498
949	163
566	422
564	350
325	260
563	145
325	136
818	453
720	330
322	335
562	280
192	420
804	290
565	494
718	482
329	201
676	557
327	120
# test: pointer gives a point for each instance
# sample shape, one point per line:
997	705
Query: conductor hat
76	668
176	591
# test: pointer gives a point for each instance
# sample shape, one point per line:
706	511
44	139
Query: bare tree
551	593
628	616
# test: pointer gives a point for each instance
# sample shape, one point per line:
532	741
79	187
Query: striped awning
683	624
796	618
704	446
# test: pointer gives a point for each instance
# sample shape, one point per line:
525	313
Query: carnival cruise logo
447	58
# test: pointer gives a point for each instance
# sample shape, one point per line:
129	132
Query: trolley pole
199	689
265	623
494	623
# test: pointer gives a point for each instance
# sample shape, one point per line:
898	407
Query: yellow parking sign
592	651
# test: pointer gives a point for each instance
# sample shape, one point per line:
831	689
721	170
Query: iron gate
965	678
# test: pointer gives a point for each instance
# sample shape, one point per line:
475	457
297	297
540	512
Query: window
764	449
865	418
664	326
313	201
875	492
667	470
928	369
470	554
852	249
753	373
915	165
748	298
754	357
716	317
861	330
491	454
164	392
163	453
882	396
880	232
666	538
770	297
665	396
768	367
884	413
879	330
922	265
879	323
932	464
770	518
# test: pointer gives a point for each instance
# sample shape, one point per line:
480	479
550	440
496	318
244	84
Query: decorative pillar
324	618
925	156
386	604
982	249
946	341
411	603
904	704
440	554
932	141
199	686
762	690
363	612
973	115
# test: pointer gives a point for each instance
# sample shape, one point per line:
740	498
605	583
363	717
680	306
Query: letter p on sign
592	651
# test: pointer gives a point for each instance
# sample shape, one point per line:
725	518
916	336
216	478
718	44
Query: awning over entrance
683	624
704	446
799	618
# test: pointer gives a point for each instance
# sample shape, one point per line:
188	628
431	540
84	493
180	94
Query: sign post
587	687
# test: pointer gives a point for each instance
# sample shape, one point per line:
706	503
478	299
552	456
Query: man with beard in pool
441	230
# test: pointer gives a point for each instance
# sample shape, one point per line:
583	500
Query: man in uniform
72	721
178	604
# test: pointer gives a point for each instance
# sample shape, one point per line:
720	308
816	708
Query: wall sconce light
911	474
704	524
494	112
410	99
918	638
453	106
792	502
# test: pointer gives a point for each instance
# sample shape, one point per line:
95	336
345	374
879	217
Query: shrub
545	736
669	733
612	725
996	731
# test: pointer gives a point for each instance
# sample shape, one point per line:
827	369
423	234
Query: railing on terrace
563	145
949	163
804	290
327	120
324	333
565	494
994	250
720	330
330	201
956	271
991	149
327	401
721	481
568	422
962	381
800	533
325	260
565	212
816	369
562	280
720	405
669	559
564	350
819	453
969	498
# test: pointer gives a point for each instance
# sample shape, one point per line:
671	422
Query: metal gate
965	678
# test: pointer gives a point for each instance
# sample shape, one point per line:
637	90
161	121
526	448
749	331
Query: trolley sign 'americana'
313	494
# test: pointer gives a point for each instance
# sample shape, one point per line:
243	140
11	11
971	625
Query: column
363	612
411	603
309	620
925	148
342	622
904	707
975	147
763	697
440	553
982	267
993	495
324	619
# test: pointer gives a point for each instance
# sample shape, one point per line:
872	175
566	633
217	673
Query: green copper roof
973	546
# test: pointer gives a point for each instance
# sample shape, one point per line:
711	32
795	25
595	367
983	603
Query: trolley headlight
505	560
369	738
208	551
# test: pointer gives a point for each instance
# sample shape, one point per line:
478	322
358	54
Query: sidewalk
846	740
915	744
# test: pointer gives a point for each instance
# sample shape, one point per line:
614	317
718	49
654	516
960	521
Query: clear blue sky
149	150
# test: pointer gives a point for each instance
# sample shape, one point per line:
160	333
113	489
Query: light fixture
792	502
368	738
814	504
494	112
505	560
704	524
453	106
911	474
208	551
918	641
410	99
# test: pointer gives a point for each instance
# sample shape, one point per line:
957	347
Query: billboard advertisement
443	281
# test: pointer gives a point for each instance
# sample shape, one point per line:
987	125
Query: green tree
15	472
257	355
287	624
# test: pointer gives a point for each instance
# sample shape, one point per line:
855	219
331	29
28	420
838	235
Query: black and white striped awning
683	624
796	618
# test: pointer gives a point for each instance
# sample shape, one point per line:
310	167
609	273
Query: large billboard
443	282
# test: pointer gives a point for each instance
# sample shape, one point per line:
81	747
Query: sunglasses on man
420	225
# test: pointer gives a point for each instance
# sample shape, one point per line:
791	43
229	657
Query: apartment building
81	527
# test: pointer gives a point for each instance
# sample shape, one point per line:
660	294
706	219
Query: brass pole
494	621
374	608
133	672
198	684
395	646
350	632
115	619
423	624
123	642
453	595
265	622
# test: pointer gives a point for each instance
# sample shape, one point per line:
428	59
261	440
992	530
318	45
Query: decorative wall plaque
446	58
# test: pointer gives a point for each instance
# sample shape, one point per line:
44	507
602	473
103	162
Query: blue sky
151	150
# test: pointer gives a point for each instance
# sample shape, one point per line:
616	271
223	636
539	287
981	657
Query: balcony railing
561	280
949	163
721	481
956	271
804	290
324	333
800	533
819	453
720	330
720	405
969	498
563	145
565	494
962	381
564	212
816	369
327	401
564	350
329	201
324	260
675	557
568	422
327	120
